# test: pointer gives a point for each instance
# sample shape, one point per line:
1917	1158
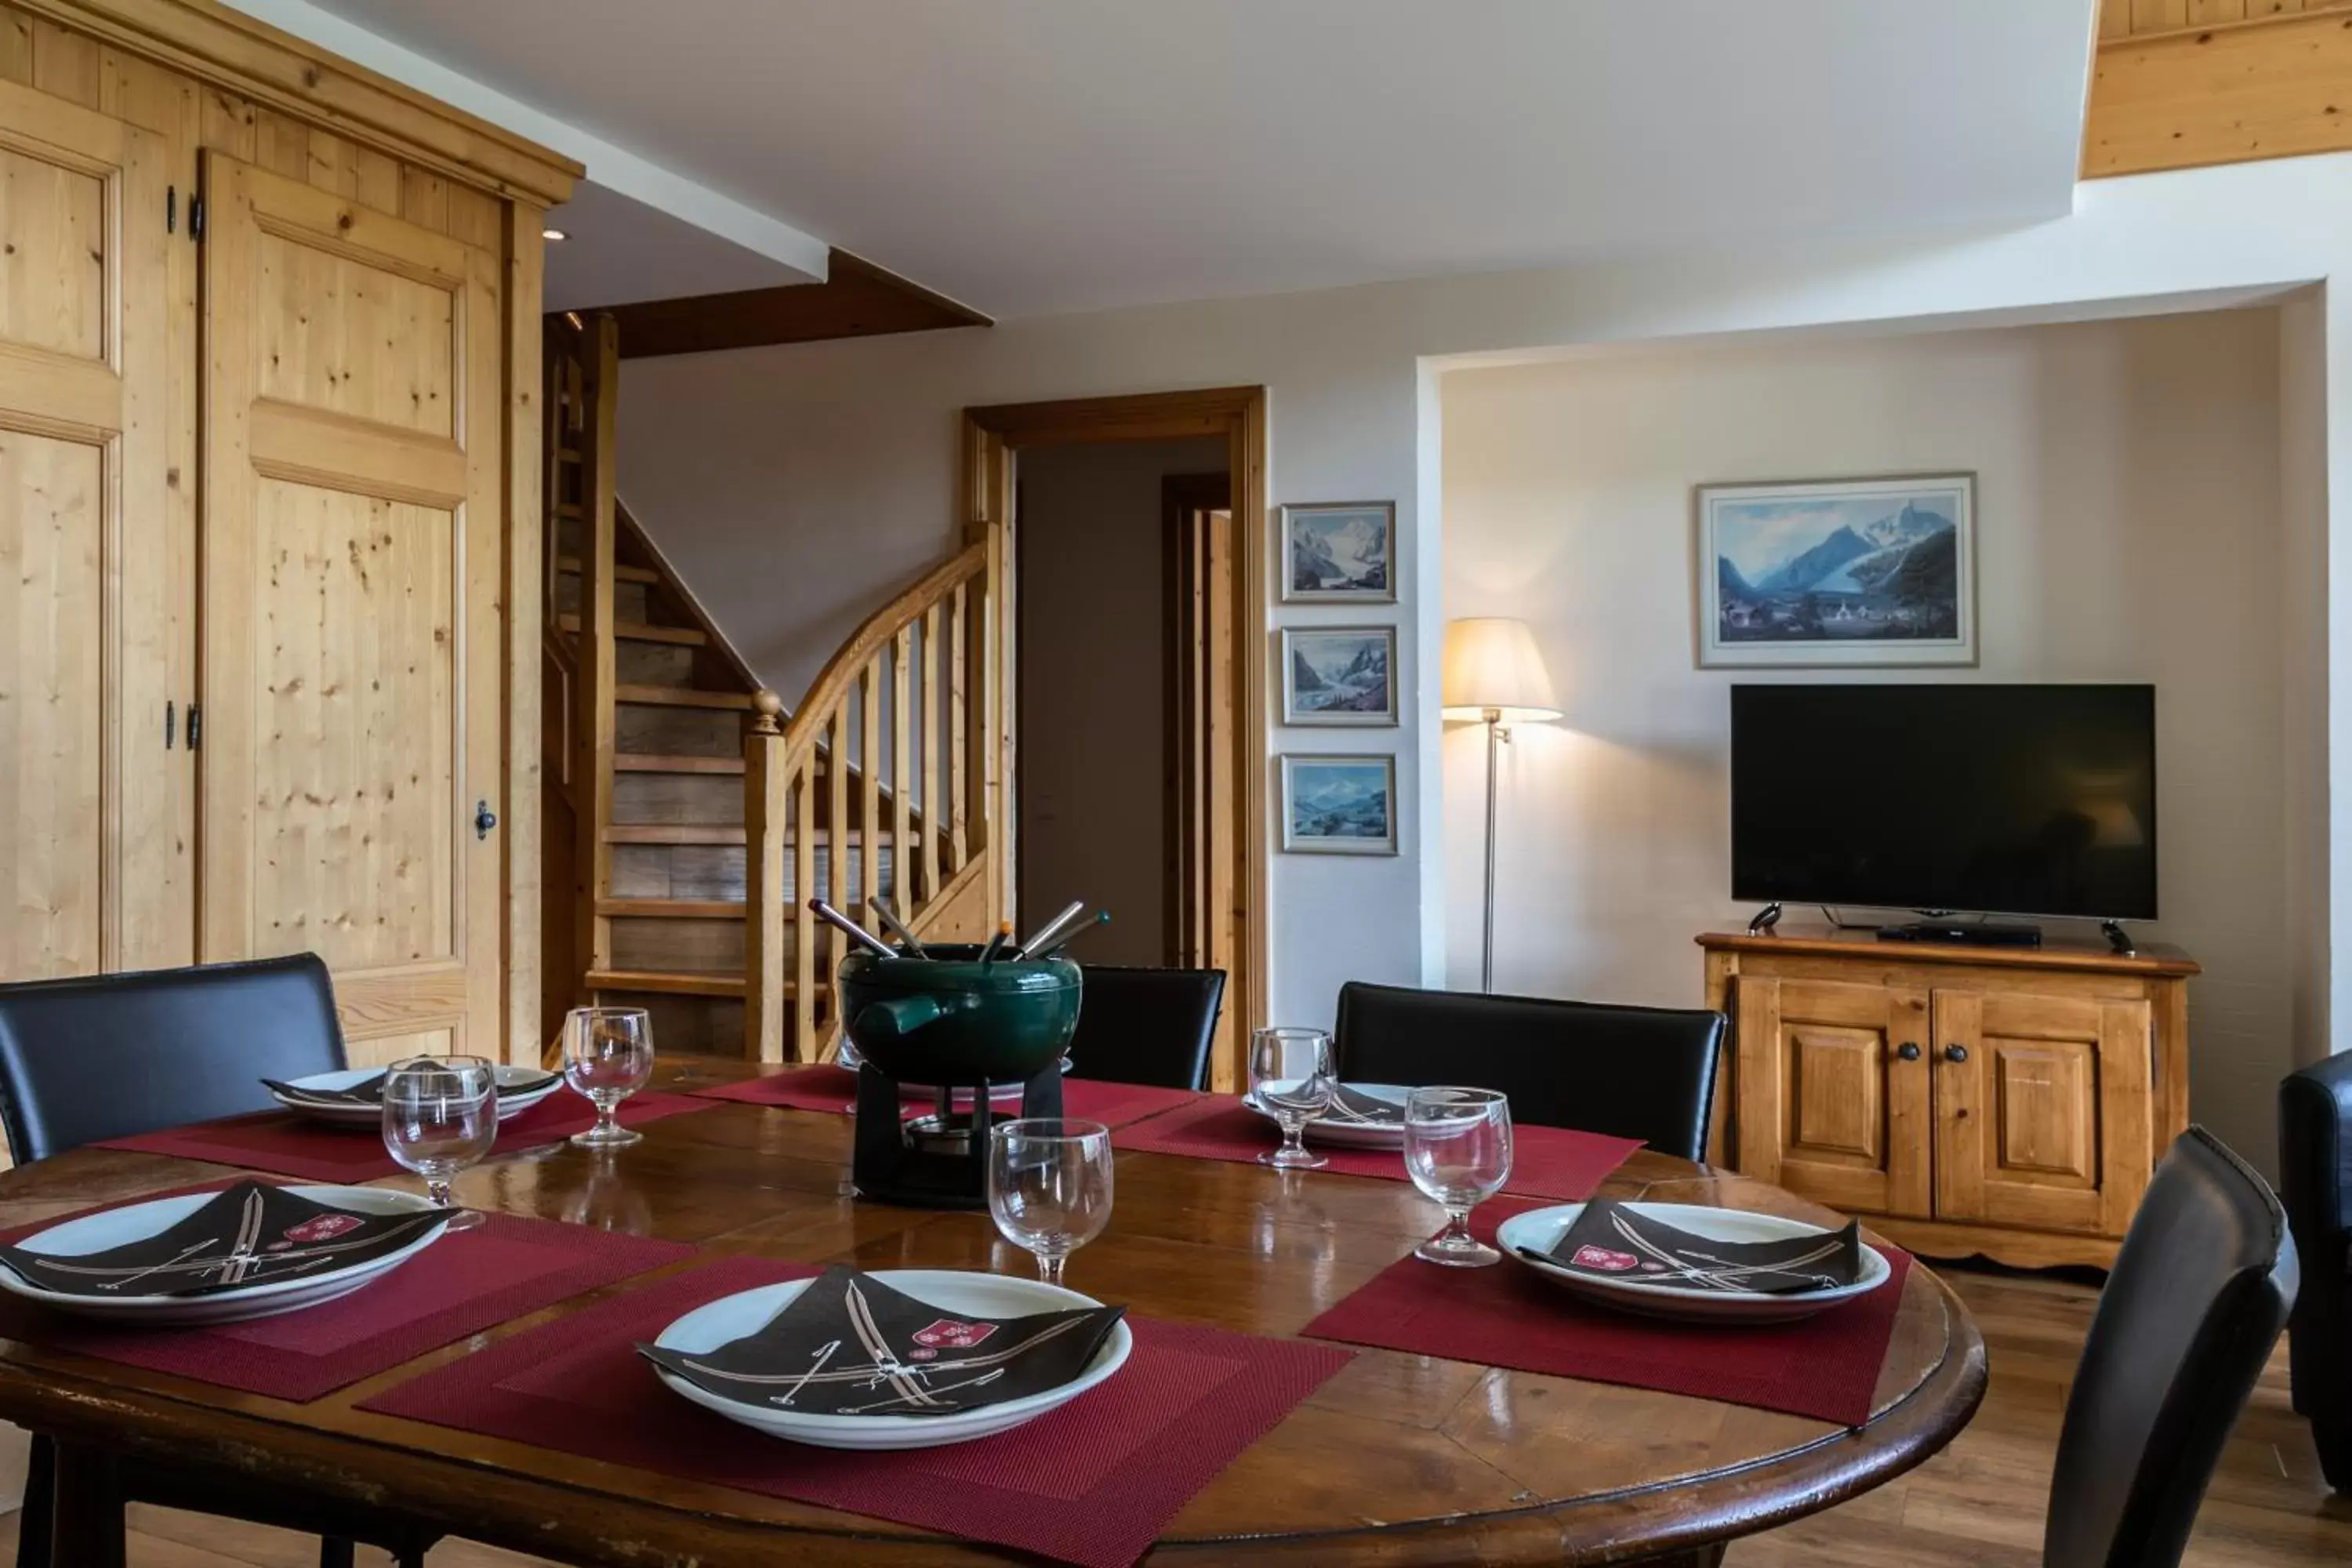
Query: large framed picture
1339	675
1340	552
1339	806
1851	572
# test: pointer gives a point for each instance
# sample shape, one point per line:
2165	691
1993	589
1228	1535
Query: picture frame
1866	573
1338	805
1340	553
1340	676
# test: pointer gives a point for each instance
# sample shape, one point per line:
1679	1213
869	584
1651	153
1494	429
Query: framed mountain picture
1339	806
1852	574
1340	553
1339	675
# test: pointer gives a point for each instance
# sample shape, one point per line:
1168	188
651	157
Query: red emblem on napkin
325	1227
1601	1258
948	1334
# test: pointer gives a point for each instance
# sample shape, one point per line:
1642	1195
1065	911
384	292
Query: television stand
1964	933
2119	938
1766	919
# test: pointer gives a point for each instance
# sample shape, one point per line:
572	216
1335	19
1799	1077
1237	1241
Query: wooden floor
1978	1504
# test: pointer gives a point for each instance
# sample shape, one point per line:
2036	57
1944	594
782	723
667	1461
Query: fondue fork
898	928
995	947
851	929
1045	933
1102	917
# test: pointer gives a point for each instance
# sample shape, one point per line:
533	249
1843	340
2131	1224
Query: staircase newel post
764	827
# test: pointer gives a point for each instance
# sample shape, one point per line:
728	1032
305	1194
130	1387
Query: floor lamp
1494	675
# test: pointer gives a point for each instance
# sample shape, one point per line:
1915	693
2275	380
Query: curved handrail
834	682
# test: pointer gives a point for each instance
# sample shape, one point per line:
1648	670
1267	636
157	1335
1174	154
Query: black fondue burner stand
939	1160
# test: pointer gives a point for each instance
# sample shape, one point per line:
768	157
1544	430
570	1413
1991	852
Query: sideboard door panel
2043	1110
1837	1112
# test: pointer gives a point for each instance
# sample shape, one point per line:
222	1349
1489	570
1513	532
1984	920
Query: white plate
1347	1135
509	1105
1542	1229
114	1227
951	1290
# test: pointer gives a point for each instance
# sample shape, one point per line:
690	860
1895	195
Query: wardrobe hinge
170	719
195	727
172	209
196	217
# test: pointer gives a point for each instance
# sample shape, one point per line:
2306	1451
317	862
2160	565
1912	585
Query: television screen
2027	800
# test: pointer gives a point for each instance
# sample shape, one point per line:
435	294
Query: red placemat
1824	1366
1094	1482
291	1145
1546	1161
459	1286
834	1088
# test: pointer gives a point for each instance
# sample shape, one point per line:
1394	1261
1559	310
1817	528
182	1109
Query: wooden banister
889	702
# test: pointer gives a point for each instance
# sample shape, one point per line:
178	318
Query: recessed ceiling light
552	234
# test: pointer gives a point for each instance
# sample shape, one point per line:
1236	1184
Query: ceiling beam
857	300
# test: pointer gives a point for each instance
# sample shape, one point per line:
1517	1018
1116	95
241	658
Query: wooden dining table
1397	1460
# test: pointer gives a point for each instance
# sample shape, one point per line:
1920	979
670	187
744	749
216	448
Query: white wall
795	486
2128	528
1092	709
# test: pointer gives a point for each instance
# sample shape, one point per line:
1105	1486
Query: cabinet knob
1908	1051
1956	1053
485	819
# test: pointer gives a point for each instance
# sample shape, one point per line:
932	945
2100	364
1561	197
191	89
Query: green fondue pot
951	1019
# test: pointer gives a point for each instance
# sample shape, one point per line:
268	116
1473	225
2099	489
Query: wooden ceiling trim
857	300
2257	83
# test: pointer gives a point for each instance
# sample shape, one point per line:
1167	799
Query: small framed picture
1339	675
1340	553
1339	806
1862	573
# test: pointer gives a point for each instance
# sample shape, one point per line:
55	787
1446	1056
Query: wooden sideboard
2005	1101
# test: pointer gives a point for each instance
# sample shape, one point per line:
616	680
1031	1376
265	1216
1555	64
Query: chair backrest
114	1055
2315	1185
2194	1306
1636	1072
1146	1025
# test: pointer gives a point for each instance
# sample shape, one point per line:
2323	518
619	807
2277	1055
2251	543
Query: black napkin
850	1346
1357	1108
367	1091
1609	1241
246	1234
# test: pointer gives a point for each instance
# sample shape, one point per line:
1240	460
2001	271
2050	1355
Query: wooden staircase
685	814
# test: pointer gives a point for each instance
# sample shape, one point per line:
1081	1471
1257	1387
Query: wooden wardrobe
270	519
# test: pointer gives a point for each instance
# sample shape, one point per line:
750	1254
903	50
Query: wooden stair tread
621	573
672	833
682	696
680	983
673	908
672	763
641	631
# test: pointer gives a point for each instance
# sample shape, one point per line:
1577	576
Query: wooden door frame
990	436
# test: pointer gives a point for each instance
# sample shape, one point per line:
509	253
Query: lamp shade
1491	663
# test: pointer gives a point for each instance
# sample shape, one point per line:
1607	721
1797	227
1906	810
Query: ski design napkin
247	1235
1609	1241
849	1345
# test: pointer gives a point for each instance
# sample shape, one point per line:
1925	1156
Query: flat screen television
2022	800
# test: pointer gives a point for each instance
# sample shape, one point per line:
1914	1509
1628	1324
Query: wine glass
1457	1149
608	1055
1049	1186
1290	1074
441	1115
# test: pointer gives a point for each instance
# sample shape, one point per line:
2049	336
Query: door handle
1908	1051
1956	1053
484	819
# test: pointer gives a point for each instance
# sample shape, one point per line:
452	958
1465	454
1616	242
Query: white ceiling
1030	156
617	250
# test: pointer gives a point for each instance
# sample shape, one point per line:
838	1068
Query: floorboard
1977	1505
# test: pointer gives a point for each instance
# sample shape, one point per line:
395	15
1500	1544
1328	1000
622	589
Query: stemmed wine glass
1457	1149
1049	1186
441	1115
608	1055
1290	1074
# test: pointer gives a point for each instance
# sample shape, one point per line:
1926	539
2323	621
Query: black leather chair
2190	1313
1636	1072
1146	1025
115	1055
2315	1181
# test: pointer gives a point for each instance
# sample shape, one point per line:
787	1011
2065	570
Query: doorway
1133	682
